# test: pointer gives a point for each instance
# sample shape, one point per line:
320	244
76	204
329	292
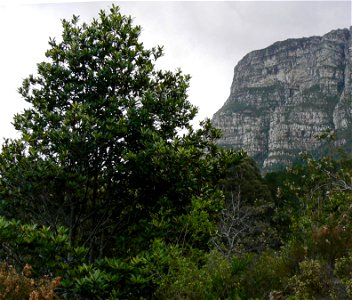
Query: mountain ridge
286	94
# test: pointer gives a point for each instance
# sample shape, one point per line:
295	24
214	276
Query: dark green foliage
46	251
245	225
286	203
162	272
312	216
107	151
100	151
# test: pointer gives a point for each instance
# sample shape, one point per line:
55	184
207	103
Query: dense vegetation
110	193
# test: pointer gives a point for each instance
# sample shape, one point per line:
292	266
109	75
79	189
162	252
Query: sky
204	39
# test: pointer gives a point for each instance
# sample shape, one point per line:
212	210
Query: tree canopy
107	148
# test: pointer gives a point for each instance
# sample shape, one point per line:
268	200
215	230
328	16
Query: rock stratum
282	97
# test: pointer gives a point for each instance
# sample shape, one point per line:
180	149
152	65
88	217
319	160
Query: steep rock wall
285	95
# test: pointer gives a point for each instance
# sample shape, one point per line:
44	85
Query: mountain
285	95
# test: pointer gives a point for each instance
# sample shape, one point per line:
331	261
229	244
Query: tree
101	150
245	223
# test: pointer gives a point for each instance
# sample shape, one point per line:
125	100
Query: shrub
47	250
15	286
312	281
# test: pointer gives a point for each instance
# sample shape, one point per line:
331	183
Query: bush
16	286
207	276
343	271
313	281
48	251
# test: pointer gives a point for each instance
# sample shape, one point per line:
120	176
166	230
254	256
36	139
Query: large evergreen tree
106	147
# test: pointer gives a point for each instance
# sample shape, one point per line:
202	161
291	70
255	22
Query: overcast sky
204	39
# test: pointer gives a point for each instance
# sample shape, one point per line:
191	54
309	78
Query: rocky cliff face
283	96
